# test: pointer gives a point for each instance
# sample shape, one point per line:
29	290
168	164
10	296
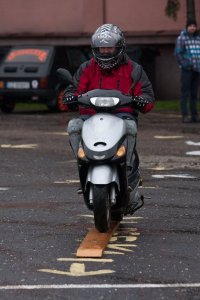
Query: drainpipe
190	9
104	11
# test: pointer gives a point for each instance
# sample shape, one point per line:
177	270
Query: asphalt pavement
153	255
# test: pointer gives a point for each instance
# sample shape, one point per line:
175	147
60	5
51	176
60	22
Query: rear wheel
102	214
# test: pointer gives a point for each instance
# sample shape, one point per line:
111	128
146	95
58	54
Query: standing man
187	52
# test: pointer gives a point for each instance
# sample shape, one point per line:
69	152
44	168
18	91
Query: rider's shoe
186	119
136	202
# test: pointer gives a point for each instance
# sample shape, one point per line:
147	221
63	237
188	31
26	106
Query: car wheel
58	105
8	106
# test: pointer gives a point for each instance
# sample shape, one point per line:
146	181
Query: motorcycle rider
111	68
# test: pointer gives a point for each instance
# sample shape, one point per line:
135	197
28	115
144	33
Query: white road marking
192	143
57	133
125	218
132	218
197	153
160	169
150	187
4	189
27	146
186	176
86	259
165	137
101	286
68	181
86	216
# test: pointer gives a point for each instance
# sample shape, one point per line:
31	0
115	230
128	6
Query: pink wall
71	22
143	15
67	17
49	16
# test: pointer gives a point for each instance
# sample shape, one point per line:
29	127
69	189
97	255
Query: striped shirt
187	51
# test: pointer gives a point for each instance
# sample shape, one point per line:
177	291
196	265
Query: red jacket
89	76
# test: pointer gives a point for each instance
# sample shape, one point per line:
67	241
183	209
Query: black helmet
108	35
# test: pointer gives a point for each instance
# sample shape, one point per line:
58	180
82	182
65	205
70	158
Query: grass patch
171	105
30	107
160	105
168	105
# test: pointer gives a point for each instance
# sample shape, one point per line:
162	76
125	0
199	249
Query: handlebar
85	98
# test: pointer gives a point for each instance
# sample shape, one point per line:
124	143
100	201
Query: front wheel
7	106
116	216
102	213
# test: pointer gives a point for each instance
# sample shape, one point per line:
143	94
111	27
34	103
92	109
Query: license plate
18	85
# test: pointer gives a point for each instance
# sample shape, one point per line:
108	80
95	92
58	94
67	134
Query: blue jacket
187	51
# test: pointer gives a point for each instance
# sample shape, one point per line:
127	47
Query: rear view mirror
64	75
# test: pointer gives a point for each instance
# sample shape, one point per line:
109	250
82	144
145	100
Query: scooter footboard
102	174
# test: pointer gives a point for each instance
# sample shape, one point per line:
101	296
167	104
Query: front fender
102	174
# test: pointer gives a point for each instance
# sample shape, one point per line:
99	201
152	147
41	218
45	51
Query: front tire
116	216
102	208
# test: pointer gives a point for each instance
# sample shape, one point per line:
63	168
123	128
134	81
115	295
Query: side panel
103	174
102	131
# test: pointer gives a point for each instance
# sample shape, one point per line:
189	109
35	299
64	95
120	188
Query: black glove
69	98
139	102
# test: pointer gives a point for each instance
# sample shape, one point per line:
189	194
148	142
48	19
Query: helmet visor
104	53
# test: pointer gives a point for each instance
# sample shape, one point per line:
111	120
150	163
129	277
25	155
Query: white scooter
102	156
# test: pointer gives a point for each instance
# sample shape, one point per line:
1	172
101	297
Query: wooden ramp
95	242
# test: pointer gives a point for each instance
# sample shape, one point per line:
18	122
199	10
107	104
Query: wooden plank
95	242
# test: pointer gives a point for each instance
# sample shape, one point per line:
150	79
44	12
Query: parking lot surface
153	255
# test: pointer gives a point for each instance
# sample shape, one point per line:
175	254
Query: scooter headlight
121	151
104	101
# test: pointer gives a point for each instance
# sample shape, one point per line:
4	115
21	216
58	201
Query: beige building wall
71	22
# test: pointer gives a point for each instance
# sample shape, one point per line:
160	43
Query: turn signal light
81	153
121	151
1	84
